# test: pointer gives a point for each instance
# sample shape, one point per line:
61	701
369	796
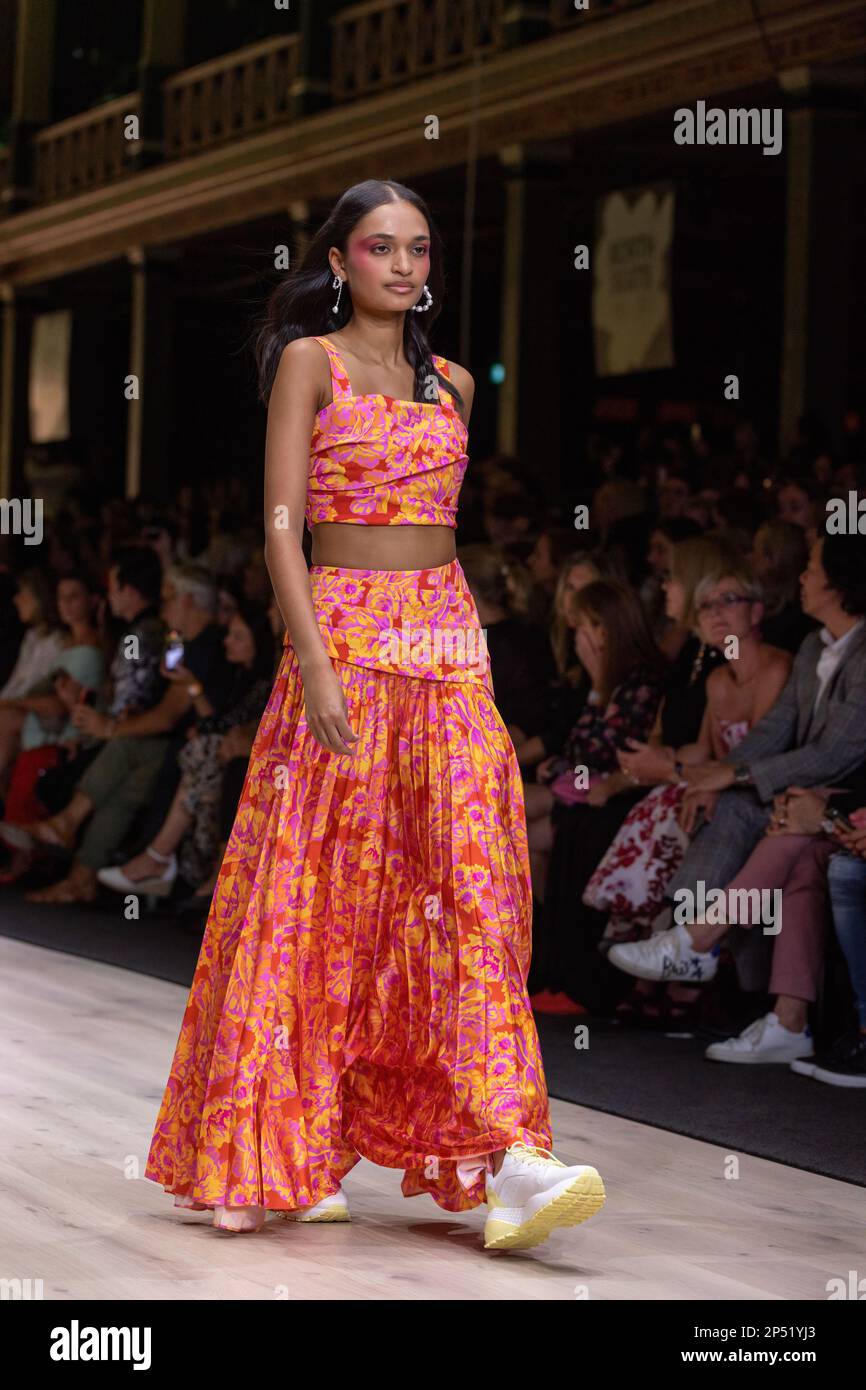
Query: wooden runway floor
85	1053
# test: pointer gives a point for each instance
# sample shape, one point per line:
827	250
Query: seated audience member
626	543
521	661
614	502
193	819
674	492
134	684
779	555
800	856
844	1063
564	698
37	659
508	517
161	534
625	675
701	508
123	776
39	713
739	514
544	563
79	671
233	754
815	735
800	501
631	880
229	600
660	551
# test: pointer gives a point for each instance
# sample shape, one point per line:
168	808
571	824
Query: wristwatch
742	775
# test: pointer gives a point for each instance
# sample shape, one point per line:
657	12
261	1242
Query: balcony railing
84	151
386	42
237	94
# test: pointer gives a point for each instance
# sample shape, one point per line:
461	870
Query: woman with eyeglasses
631	880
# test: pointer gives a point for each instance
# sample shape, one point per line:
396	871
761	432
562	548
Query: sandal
75	888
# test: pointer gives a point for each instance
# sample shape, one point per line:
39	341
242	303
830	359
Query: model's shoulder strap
340	387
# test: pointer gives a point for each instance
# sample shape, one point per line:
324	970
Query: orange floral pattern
378	461
361	986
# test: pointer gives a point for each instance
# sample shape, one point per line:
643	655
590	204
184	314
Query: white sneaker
533	1193
765	1040
158	886
669	955
334	1207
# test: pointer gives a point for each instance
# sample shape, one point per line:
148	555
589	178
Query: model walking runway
361	987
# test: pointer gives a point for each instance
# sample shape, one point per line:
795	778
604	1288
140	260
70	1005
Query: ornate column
151	361
533	272
14	353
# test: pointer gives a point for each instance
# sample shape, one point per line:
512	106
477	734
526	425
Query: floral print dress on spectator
632	878
601	731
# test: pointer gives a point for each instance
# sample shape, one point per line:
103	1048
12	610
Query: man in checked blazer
815	735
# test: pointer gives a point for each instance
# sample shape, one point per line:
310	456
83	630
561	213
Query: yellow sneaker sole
577	1203
335	1214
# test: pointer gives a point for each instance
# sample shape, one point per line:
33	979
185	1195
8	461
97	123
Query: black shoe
843	1064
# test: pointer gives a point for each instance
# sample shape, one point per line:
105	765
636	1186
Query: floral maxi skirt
361	985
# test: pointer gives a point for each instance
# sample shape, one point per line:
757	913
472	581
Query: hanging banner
631	284
49	377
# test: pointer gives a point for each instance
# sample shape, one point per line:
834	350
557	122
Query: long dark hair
301	305
255	616
630	643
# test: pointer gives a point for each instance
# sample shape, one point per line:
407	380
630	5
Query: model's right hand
325	708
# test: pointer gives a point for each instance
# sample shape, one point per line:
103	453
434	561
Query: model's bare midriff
382	547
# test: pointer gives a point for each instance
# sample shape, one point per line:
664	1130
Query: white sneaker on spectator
669	955
765	1040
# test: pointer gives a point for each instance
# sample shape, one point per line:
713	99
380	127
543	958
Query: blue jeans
846	876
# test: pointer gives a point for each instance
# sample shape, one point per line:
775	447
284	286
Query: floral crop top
377	461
